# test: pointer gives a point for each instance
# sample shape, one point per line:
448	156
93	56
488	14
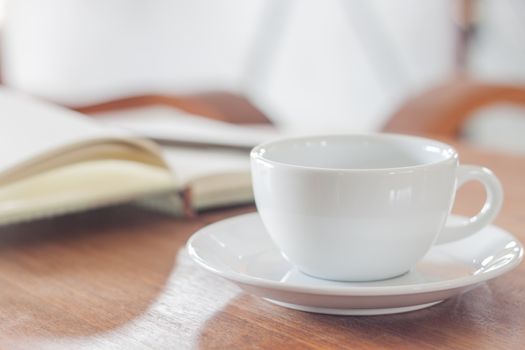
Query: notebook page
30	128
164	123
189	164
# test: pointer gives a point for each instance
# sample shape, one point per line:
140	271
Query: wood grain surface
120	278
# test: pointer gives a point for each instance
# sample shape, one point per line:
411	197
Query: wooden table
120	279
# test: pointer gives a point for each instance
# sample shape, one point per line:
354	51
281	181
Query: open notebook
55	161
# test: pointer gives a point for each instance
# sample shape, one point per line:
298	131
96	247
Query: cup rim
450	152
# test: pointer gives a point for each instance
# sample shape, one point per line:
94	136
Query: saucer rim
350	290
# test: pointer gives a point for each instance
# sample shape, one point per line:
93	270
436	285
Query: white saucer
240	250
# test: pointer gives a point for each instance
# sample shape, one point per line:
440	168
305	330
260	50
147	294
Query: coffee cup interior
355	152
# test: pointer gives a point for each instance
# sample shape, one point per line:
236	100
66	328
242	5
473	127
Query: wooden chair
442	111
217	105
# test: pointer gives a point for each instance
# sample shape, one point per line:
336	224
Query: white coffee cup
363	207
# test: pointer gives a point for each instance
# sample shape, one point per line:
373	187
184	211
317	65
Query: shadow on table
85	273
477	317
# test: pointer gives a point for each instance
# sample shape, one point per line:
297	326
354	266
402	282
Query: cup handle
489	211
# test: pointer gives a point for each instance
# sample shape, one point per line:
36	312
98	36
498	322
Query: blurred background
445	67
